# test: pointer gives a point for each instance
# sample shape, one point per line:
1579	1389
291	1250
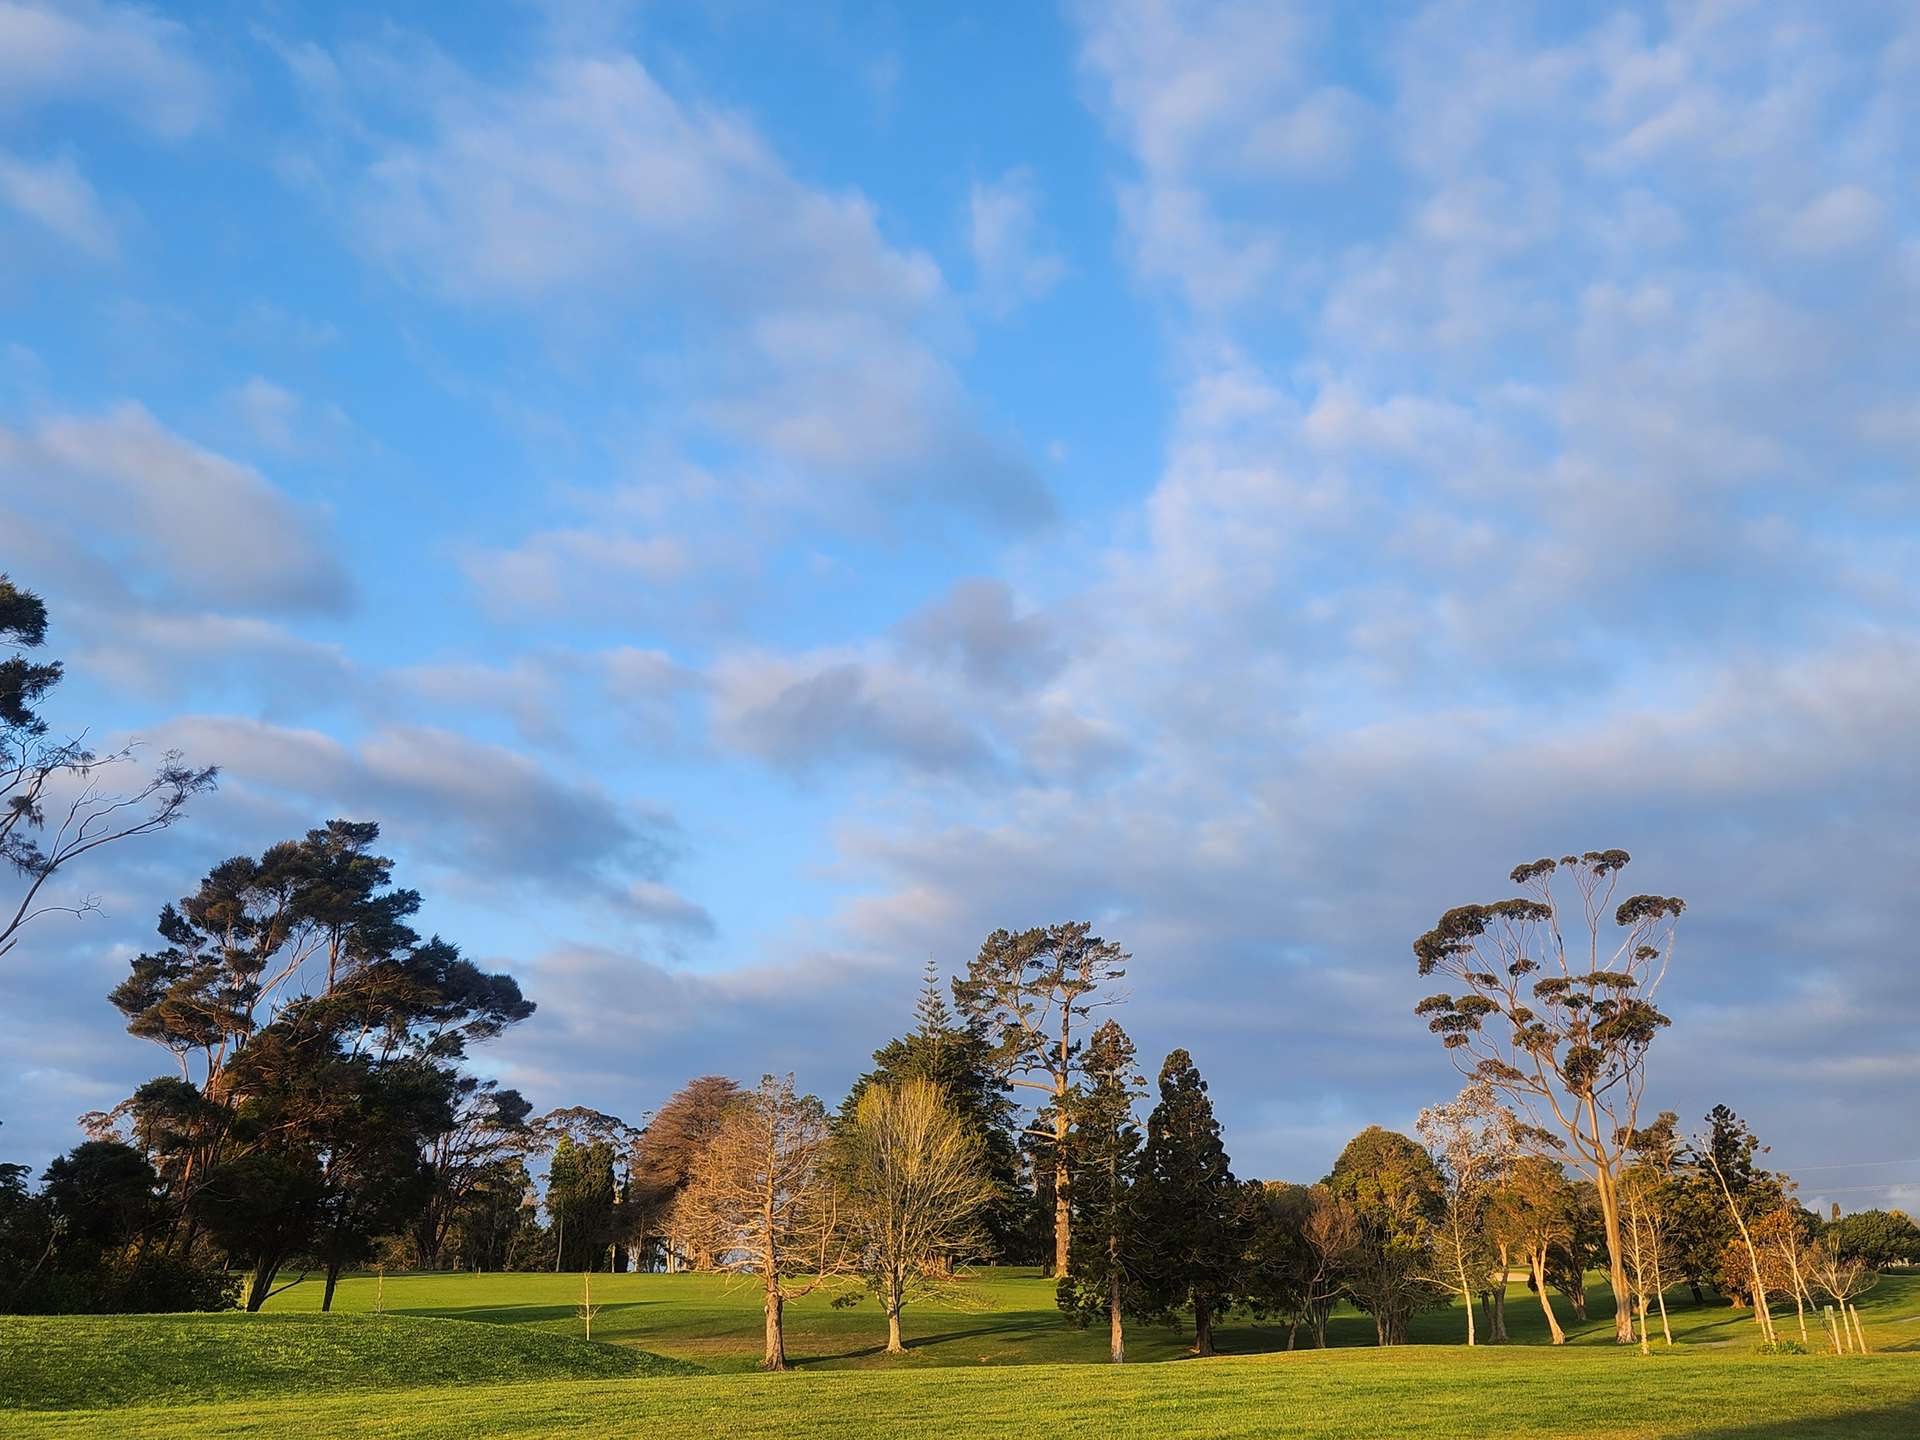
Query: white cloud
123	57
56	196
196	526
1011	264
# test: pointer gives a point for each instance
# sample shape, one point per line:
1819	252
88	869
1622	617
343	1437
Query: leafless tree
1642	1195
665	1155
1843	1279
1332	1233
764	1201
60	800
1471	1138
916	1187
1560	1027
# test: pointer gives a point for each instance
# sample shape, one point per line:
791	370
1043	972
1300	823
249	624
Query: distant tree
1471	1140
1562	1031
1878	1238
1335	1235
666	1154
916	1186
1099	1279
580	1201
1723	1165
489	1128
1532	1212
1398	1199
1187	1208
959	1058
60	800
1029	992
763	1200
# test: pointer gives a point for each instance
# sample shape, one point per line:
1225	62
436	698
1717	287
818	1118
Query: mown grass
416	1372
84	1361
1002	1317
1332	1395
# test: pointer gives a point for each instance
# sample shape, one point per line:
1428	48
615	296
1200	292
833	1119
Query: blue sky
753	496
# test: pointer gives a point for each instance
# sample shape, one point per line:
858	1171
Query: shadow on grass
1887	1422
1025	1329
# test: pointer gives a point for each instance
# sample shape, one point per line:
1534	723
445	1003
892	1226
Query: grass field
1002	1365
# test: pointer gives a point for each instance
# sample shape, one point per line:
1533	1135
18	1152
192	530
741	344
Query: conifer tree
1106	1162
1188	1207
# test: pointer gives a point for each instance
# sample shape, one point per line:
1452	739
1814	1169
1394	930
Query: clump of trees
1560	1027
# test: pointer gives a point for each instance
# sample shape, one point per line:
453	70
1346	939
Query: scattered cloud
1011	263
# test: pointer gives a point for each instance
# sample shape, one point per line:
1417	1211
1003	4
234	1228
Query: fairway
500	1355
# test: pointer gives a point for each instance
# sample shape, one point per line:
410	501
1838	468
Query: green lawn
414	1372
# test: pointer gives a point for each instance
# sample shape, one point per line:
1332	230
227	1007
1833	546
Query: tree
1843	1278
1532	1212
60	800
1187	1207
318	1037
915	1189
1568	1046
959	1059
489	1128
1397	1198
1471	1140
1284	1272
1099	1277
665	1155
1878	1238
763	1201
580	1199
1028	992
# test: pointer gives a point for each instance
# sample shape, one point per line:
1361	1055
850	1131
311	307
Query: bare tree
916	1187
1571	1023
664	1158
1843	1278
1332	1233
1642	1193
1030	991
59	799
763	1200
1762	1314
1471	1138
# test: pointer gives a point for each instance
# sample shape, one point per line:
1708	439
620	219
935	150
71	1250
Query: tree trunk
260	1283
1466	1290
1062	1207
1202	1326
775	1357
895	1298
1698	1298
1497	1323
1537	1263
333	1278
1616	1259
1116	1336
1382	1330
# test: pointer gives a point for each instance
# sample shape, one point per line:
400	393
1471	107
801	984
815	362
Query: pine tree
1105	1164
1187	1208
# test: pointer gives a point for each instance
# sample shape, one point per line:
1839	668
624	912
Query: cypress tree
1105	1165
1187	1207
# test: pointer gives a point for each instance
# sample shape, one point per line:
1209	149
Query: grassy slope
74	1361
1511	1393
1712	1386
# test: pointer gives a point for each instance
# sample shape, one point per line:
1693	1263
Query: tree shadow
1881	1422
1027	1329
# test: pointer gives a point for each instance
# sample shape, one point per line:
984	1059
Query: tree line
319	1115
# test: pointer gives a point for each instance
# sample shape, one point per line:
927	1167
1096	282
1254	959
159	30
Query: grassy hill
82	1361
417	1372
